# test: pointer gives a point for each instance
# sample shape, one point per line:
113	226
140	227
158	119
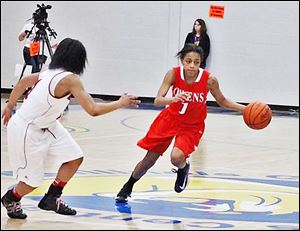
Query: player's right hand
183	96
6	115
129	100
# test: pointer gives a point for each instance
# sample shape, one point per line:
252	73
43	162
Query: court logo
212	198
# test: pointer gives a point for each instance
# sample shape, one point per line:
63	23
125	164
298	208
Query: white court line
104	137
96	223
136	224
96	137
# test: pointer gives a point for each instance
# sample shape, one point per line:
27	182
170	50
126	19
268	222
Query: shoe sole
121	200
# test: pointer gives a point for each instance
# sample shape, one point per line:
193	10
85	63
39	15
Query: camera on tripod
38	33
40	21
40	16
41	36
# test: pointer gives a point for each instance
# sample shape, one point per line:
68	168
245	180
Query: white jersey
42	108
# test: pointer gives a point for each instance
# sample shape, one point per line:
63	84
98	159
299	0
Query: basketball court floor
240	178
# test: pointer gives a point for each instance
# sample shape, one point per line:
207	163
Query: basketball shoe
55	203
124	193
13	208
182	178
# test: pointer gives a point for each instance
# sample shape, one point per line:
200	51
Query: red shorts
164	128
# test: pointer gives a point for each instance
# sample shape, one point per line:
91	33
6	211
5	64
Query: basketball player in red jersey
183	119
34	133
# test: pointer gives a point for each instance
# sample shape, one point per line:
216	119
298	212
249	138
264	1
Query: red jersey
193	110
182	120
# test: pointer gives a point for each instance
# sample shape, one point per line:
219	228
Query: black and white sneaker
55	203
14	209
182	178
122	196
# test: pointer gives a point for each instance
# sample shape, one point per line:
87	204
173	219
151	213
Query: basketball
257	115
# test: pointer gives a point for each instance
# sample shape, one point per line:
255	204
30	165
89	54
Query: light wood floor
240	178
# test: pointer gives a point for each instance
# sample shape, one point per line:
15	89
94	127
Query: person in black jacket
200	38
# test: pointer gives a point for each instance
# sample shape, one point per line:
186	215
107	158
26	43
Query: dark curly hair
190	47
70	54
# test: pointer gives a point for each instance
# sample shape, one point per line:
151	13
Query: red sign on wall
216	11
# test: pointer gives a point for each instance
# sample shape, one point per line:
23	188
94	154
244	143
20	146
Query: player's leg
179	160
156	141
52	199
66	152
140	169
185	144
11	200
25	163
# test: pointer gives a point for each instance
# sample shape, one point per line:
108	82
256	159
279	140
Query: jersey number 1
183	109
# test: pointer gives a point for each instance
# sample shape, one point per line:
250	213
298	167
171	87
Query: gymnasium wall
131	45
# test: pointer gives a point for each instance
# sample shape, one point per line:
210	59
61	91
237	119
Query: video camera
40	20
40	16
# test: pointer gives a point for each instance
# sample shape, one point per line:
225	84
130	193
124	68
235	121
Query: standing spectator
28	34
199	37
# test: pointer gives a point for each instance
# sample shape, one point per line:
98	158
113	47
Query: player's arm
160	99
17	92
20	88
213	86
75	87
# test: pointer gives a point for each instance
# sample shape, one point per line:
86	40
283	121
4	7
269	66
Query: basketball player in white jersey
34	132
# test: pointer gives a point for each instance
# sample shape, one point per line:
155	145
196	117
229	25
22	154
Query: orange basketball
257	115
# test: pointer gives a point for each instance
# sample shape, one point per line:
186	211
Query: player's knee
79	161
177	160
75	163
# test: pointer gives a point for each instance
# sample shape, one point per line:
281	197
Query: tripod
41	37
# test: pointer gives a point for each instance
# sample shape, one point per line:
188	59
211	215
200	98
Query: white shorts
29	145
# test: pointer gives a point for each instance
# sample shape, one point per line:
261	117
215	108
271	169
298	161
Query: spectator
199	37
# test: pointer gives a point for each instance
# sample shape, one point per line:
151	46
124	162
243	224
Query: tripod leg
24	66
41	57
48	45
